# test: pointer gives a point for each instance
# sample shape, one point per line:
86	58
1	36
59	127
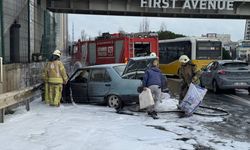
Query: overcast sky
93	24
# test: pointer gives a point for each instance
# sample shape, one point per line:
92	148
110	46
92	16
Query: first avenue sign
190	4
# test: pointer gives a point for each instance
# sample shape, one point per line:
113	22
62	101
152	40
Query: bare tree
144	25
99	33
83	35
120	30
163	27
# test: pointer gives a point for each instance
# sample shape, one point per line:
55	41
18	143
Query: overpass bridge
227	9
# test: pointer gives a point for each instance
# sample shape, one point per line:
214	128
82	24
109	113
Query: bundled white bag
146	99
192	99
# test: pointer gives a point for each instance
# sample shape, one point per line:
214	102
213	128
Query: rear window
139	65
235	65
119	69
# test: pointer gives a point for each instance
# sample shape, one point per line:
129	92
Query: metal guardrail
16	97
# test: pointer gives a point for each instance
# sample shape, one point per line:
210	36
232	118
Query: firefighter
189	74
56	76
46	87
154	80
152	54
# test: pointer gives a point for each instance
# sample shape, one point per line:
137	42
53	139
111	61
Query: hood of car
138	64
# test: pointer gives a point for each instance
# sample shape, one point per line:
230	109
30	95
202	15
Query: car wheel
232	91
114	101
215	87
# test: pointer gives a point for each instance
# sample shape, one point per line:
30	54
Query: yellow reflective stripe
55	80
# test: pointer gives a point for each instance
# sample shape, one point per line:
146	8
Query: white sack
146	99
193	98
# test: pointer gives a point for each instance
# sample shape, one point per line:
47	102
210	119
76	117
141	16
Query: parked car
101	84
112	84
226	74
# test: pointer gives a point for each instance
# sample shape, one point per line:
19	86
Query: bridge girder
241	9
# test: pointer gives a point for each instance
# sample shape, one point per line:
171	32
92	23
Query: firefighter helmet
153	54
184	59
57	53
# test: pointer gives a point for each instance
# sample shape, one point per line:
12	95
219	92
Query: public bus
200	50
243	51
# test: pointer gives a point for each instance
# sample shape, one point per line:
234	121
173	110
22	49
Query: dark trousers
183	91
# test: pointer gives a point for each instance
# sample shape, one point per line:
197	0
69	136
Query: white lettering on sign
203	4
187	5
110	51
105	51
102	51
158	3
230	5
211	4
165	4
190	4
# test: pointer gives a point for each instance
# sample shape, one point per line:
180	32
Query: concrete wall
16	11
19	76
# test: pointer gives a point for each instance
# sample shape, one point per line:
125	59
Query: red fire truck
114	48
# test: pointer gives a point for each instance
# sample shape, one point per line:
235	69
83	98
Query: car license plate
240	83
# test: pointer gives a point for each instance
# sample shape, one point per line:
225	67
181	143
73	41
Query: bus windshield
208	50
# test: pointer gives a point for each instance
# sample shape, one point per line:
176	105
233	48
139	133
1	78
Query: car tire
114	101
215	87
232	91
248	91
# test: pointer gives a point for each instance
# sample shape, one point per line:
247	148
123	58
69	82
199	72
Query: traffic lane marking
242	92
238	99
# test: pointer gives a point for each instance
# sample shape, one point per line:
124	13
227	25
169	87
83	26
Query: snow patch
100	128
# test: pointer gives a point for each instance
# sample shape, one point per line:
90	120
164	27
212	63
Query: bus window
171	51
142	49
208	50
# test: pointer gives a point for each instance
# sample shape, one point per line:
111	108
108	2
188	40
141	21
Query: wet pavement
236	126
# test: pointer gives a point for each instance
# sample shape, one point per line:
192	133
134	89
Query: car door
205	74
79	86
99	84
212	73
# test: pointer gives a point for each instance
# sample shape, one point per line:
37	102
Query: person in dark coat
154	80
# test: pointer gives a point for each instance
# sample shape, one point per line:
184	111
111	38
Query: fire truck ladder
131	47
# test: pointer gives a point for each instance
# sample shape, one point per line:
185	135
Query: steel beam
133	8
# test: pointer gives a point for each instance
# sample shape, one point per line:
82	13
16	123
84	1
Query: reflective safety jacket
189	73
44	73
54	72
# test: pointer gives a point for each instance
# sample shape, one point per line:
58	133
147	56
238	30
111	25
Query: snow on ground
90	127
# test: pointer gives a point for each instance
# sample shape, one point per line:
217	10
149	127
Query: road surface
235	126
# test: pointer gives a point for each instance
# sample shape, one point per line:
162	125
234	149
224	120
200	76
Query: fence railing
16	97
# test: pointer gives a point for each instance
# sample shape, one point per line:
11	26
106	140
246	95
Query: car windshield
235	65
119	69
